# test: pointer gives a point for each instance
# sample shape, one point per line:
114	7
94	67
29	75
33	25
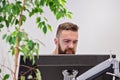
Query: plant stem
17	42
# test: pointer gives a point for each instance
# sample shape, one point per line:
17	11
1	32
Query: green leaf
0	70
63	2
38	74
24	58
12	50
33	60
45	19
16	10
44	29
40	10
4	36
7	23
38	19
30	77
16	21
31	13
22	77
11	40
20	35
40	25
10	18
1	9
8	39
12	22
35	9
58	15
18	2
14	33
69	15
42	2
30	44
24	49
4	3
51	4
1	25
9	8
1	19
49	27
6	77
23	18
37	3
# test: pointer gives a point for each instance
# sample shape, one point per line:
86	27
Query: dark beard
60	51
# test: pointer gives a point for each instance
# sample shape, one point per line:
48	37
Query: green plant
14	13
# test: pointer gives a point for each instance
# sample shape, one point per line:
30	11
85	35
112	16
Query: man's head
66	38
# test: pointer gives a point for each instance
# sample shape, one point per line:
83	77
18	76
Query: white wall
99	22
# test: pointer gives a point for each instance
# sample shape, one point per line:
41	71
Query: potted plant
13	14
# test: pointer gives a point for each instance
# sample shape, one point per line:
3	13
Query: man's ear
56	41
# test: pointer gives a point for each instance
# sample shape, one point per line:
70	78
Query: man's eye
66	41
75	42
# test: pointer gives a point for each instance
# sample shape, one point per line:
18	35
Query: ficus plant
14	13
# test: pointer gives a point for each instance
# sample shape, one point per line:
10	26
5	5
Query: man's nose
71	45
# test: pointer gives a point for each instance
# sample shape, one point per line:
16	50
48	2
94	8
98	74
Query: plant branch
30	69
0	77
7	68
17	43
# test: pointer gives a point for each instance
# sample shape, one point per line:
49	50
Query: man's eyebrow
76	40
69	40
66	40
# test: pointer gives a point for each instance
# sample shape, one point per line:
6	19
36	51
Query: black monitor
52	66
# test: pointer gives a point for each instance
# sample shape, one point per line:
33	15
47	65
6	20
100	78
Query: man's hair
66	26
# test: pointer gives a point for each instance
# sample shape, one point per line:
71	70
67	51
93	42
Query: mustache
70	49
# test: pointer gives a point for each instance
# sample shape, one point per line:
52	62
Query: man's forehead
69	33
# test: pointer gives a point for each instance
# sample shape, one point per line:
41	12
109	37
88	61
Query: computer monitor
52	66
